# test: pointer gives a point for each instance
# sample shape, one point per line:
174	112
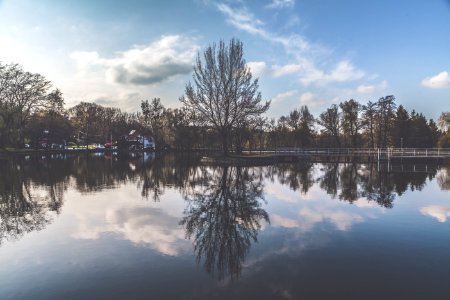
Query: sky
304	52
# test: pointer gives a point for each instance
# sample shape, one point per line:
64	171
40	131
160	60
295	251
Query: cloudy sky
304	51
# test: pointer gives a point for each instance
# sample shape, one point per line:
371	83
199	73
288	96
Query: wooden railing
385	152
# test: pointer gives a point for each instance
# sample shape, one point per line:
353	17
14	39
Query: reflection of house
135	141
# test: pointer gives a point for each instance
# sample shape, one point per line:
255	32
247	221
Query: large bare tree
224	95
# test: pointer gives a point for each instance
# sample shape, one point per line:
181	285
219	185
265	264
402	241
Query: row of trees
221	108
351	124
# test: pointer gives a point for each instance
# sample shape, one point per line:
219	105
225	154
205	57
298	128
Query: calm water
102	227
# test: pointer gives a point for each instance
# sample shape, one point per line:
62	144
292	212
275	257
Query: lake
168	227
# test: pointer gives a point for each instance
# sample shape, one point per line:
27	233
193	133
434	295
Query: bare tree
351	123
370	121
386	113
153	113
330	120
223	94
444	121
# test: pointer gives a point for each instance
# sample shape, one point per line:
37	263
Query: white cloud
308	73
243	20
439	81
371	89
439	212
281	4
281	96
344	71
257	68
305	53
286	69
142	65
311	99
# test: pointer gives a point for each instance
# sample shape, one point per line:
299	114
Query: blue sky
304	51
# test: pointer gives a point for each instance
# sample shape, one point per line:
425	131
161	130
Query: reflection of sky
124	213
117	230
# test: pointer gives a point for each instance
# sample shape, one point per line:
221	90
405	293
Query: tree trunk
338	141
224	142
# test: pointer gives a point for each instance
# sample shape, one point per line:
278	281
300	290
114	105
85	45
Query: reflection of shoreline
23	210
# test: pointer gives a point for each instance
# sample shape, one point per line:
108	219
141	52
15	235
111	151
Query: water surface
168	227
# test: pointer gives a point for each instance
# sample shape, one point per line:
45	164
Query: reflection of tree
443	179
330	180
224	218
351	181
297	175
180	171
22	209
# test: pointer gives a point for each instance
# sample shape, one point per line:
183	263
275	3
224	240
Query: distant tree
306	126
444	121
330	121
401	130
223	95
153	114
84	118
351	123
386	112
435	134
55	102
294	119
420	132
370	121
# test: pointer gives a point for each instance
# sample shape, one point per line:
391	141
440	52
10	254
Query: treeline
30	110
377	124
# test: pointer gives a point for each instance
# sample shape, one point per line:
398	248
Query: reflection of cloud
278	192
141	225
364	203
308	218
439	212
279	221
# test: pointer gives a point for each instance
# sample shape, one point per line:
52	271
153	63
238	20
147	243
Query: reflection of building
136	141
